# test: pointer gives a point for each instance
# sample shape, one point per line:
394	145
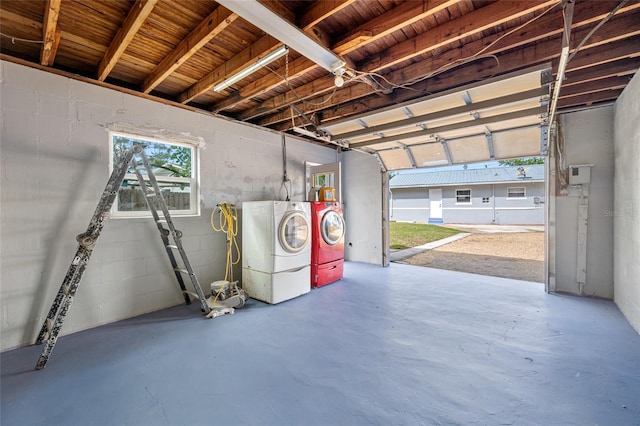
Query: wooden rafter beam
297	67
589	99
132	23
626	48
263	46
597	85
467	25
213	25
50	32
617	28
383	26
610	69
545	27
401	16
321	10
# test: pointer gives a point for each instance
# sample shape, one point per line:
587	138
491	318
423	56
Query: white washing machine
276	249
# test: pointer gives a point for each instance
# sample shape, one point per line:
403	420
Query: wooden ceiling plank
467	25
545	27
539	52
132	23
589	99
213	25
609	52
317	12
592	86
321	10
304	65
49	28
401	16
263	46
297	68
610	69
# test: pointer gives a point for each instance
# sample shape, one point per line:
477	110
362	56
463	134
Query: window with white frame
175	166
463	196
516	192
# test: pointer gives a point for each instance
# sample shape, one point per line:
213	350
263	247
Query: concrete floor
402	345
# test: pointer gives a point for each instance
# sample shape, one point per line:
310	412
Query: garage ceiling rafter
396	52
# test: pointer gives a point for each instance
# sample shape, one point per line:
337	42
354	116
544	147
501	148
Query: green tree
522	161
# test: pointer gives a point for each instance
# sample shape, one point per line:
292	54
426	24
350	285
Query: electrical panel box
579	174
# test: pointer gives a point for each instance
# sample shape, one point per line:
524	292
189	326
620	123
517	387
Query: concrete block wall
588	140
54	155
626	208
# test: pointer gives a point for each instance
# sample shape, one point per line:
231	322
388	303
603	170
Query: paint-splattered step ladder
87	242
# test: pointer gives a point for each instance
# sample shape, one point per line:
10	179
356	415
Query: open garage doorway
467	130
489	220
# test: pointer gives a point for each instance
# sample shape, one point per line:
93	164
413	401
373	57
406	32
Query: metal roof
505	174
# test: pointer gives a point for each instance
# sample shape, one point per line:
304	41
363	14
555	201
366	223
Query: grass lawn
406	235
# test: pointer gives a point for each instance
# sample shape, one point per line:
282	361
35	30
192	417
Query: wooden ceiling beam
303	65
321	10
50	32
401	16
539	52
626	48
597	85
467	25
610	69
297	68
132	23
213	25
588	99
545	27
264	45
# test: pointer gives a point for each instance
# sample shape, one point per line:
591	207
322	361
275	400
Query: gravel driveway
508	252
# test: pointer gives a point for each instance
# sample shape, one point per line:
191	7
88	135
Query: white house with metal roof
497	195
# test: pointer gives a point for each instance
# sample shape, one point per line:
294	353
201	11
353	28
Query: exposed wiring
360	76
508	33
224	218
285	178
601	23
25	40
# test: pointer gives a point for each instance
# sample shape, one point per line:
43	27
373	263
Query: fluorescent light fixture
269	22
265	60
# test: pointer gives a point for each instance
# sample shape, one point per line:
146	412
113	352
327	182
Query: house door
435	206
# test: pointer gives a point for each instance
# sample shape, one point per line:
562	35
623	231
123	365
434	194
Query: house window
516	192
485	200
175	167
463	196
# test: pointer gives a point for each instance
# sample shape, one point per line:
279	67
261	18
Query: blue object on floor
398	345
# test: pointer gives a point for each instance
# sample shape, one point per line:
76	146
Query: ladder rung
172	246
184	271
161	220
151	194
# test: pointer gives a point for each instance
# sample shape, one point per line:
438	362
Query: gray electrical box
580	174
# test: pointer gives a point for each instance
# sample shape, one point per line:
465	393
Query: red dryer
327	242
